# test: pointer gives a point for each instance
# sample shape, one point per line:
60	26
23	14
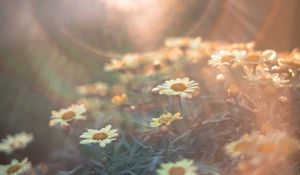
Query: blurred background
48	47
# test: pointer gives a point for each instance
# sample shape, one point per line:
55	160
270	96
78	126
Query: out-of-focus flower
270	56
267	145
291	60
15	142
192	43
265	78
193	55
239	147
15	167
170	55
182	167
114	65
64	117
128	61
165	119
98	88
182	87
226	58
253	58
132	60
241	46
119	100
233	90
103	136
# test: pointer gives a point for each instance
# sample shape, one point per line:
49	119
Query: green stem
180	105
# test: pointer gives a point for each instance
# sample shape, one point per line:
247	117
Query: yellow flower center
265	148
227	58
16	144
265	78
179	87
177	171
13	168
164	119
253	57
119	100
92	88
100	136
242	146
68	115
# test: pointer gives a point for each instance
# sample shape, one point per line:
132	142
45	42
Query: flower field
191	107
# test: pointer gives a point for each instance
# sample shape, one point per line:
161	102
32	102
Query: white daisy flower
192	43
128	61
103	136
64	117
15	167
165	119
98	88
182	87
264	78
183	167
15	142
226	58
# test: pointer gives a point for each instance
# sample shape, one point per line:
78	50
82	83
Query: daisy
119	100
115	64
243	46
262	77
103	136
182	87
15	167
182	167
193	55
165	119
171	54
131	60
252	58
270	56
128	61
276	143
226	58
292	59
98	88
239	147
266	144
186	42
15	142
64	117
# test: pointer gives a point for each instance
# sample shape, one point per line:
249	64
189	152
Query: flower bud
220	78
164	129
283	99
156	64
233	90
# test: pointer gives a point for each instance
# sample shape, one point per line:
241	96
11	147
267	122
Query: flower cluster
262	67
15	142
190	107
274	144
259	148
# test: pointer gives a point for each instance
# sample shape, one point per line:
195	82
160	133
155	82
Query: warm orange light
124	5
